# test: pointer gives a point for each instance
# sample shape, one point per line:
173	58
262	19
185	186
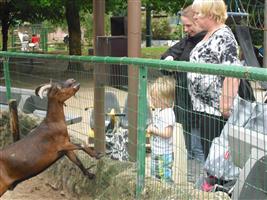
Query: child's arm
164	133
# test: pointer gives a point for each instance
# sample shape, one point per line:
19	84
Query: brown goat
45	144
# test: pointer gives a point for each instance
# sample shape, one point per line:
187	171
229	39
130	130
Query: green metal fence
100	75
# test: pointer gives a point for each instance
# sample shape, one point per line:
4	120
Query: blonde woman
162	94
212	95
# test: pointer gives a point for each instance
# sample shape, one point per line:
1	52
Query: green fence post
7	77
13	40
141	125
46	40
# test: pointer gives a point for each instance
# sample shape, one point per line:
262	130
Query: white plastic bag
250	115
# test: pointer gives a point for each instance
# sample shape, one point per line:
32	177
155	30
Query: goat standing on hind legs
45	144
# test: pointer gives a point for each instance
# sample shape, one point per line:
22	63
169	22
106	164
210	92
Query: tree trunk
4	10
74	29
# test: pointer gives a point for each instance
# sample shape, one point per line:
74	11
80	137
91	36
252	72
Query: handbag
246	114
245	90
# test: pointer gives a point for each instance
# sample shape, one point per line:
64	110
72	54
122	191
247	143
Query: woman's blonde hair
163	88
214	8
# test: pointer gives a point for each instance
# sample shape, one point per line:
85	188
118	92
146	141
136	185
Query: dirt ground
34	189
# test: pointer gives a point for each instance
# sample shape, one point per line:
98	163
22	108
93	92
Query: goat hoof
91	176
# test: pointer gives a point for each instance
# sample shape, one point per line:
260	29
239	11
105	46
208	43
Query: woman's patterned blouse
205	90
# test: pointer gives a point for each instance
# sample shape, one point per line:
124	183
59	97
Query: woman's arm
176	50
229	56
229	91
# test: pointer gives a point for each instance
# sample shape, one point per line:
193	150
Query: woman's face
190	27
201	20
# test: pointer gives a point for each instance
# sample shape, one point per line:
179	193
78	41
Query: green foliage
116	7
161	28
87	25
177	32
257	37
170	6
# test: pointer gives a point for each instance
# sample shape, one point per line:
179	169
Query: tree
17	11
4	16
39	10
74	27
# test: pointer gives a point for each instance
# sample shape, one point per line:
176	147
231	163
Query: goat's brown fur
45	144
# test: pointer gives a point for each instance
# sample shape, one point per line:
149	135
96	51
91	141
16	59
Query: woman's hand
225	113
229	91
169	58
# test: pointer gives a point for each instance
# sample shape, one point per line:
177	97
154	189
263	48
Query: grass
147	52
153	52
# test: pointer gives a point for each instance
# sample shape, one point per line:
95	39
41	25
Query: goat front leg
90	151
73	157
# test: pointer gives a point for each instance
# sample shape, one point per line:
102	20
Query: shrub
161	29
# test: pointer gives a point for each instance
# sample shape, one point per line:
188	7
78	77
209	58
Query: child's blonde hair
163	88
214	8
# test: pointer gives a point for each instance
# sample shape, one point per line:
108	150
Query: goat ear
41	89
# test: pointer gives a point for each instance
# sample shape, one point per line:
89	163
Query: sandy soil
34	189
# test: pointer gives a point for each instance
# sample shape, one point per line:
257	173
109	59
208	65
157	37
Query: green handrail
247	72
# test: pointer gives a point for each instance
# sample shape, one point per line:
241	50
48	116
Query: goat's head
59	91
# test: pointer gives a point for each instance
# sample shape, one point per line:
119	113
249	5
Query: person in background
66	39
35	41
25	41
183	106
35	38
162	95
212	95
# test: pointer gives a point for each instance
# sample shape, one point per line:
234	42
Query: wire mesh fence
209	156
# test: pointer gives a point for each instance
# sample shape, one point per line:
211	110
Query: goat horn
42	89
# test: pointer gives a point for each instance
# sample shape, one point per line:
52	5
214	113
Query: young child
162	94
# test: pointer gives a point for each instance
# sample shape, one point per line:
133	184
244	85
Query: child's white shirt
162	118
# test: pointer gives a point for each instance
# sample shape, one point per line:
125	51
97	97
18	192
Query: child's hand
149	129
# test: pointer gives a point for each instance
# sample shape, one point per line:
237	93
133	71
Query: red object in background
35	39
